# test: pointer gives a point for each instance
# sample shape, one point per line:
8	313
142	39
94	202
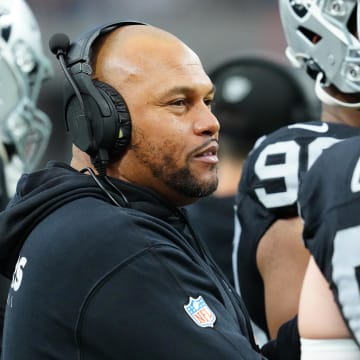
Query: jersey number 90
294	157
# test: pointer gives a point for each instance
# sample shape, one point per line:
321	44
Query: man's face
174	133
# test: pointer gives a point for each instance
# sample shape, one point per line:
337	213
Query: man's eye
209	102
179	102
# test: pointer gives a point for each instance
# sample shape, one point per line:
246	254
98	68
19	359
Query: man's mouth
209	154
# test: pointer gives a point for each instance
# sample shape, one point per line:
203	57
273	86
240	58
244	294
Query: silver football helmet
23	68
322	38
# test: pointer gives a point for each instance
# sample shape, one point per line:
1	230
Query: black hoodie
98	281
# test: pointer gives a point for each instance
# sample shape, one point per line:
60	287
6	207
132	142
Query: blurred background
216	30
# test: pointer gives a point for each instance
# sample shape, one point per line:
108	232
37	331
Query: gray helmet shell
320	39
23	68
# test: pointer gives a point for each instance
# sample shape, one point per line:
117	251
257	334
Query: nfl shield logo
200	312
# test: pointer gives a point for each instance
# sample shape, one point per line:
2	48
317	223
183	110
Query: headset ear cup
122	136
78	125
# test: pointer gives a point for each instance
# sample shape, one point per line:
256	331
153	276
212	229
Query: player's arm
319	316
282	248
322	329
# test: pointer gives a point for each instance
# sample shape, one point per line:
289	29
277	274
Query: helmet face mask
23	68
322	38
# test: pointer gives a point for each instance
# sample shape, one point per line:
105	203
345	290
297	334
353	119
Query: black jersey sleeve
275	167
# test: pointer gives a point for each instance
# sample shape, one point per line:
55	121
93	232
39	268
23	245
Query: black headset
96	115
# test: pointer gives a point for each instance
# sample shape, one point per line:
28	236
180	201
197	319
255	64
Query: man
329	303
24	129
246	111
107	266
270	258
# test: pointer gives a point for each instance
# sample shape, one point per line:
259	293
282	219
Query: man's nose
206	122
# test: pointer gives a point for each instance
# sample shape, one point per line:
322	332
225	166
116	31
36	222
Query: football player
329	310
269	257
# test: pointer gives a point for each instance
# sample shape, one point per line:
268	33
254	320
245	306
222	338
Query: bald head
130	52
